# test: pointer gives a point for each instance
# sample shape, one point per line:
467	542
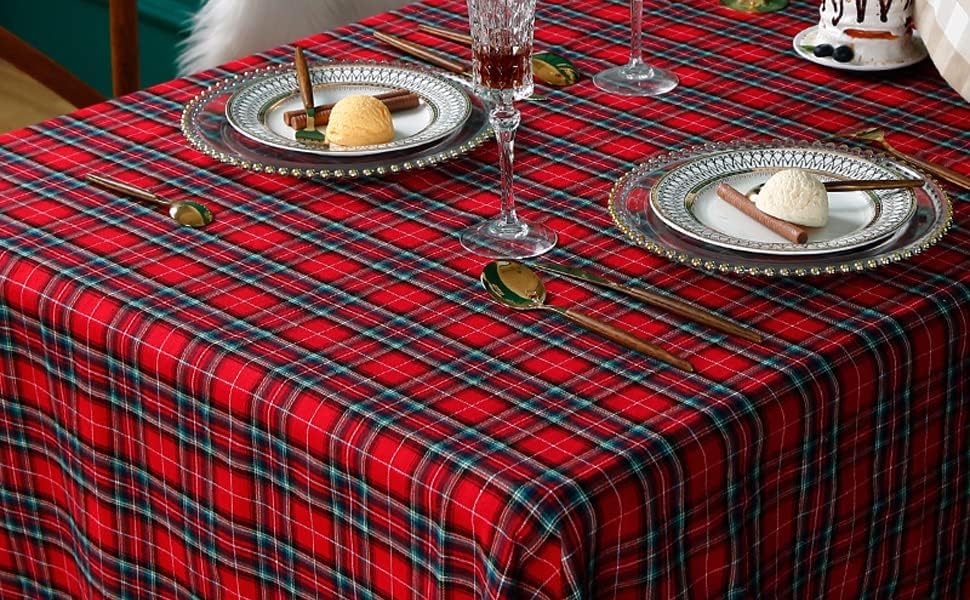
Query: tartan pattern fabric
313	398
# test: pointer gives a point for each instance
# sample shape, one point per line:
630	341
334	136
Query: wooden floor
24	102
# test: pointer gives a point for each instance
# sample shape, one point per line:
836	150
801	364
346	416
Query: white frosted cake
879	32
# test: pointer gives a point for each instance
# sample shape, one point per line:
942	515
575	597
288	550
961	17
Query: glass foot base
635	80
496	239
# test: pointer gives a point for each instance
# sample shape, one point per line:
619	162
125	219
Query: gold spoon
547	67
516	286
556	76
878	136
185	212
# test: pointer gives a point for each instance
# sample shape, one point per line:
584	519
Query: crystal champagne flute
636	78
502	70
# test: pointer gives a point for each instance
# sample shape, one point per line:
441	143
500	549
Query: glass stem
504	119
636	33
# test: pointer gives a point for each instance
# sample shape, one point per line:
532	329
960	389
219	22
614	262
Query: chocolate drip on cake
838	7
884	10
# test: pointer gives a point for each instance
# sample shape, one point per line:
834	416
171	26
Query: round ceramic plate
629	205
205	125
685	199
804	41
256	109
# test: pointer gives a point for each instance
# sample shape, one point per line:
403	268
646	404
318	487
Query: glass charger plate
685	199
205	125
629	205
255	109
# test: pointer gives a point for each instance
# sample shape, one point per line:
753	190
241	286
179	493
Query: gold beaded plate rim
930	223
472	134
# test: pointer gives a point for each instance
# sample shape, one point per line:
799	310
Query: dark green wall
75	34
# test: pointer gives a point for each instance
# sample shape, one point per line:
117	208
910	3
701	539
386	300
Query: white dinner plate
256	109
684	198
629	205
804	41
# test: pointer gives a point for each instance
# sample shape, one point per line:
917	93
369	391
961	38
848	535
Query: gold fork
878	136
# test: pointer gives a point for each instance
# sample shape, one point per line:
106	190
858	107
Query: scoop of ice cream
359	121
795	196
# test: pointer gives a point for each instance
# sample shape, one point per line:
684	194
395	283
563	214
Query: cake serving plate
205	125
684	199
255	109
804	41
680	173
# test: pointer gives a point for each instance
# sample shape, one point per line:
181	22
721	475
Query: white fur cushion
224	30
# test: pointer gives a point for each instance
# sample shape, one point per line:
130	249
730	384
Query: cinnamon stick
789	231
297	118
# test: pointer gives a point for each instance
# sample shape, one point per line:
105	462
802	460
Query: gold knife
423	53
674	306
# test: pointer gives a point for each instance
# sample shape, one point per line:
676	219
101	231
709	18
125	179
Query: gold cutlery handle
303	79
687	311
447	34
422	53
849	185
625	338
124	188
940	171
677	307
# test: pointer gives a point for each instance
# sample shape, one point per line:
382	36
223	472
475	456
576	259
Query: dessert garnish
789	231
308	131
843	54
395	100
790	199
823	50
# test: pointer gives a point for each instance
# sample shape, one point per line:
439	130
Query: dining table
315	397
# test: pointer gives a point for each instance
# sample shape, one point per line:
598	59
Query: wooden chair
123	25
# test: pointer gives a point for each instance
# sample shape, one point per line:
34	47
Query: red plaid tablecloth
313	397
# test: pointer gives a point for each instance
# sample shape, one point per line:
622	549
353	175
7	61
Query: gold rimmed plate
630	207
205	125
255	109
684	198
